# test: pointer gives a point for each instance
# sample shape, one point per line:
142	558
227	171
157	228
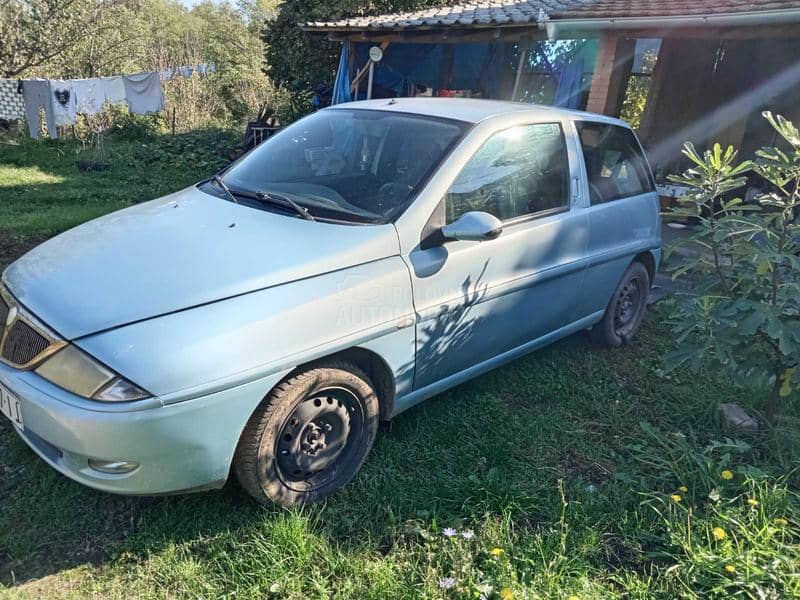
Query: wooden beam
365	70
445	36
511	33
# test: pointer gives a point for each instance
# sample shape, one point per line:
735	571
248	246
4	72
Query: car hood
177	252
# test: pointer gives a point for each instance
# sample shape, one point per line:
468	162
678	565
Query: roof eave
556	25
753	18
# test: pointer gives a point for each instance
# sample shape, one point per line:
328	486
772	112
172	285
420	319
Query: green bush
742	266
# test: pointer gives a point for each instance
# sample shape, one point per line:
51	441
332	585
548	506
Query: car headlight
79	373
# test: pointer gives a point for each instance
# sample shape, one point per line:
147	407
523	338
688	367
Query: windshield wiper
285	202
218	180
265	197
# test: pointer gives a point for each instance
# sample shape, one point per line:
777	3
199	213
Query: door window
520	171
614	162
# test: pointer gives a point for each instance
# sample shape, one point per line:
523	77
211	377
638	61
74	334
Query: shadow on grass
494	447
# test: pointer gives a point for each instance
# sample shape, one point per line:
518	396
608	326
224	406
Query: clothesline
63	99
186	71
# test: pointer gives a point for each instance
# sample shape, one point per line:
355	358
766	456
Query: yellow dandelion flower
781	522
676	498
730	569
752	502
496	551
727	475
573	598
719	533
683	489
506	594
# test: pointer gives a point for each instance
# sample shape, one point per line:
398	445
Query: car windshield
357	165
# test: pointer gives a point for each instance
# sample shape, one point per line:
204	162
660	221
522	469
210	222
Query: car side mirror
473	226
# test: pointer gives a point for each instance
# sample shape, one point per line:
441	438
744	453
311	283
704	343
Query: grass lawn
574	472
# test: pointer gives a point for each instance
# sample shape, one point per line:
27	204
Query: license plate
10	407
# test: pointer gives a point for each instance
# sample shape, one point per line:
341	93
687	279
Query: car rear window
615	165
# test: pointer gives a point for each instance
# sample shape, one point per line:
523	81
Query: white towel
90	95
114	88
143	93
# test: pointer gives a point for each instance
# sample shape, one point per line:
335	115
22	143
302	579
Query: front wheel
309	437
625	312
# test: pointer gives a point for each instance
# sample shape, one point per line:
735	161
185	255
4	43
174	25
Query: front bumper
184	446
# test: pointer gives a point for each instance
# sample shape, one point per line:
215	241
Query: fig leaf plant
739	310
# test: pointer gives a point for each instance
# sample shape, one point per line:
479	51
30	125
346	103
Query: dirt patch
573	464
12	247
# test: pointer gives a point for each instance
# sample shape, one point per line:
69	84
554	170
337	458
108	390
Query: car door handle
576	190
404	322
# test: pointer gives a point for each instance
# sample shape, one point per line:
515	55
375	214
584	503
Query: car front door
477	301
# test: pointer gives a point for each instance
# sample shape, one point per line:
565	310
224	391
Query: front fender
230	342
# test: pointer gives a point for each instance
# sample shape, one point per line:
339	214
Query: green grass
565	460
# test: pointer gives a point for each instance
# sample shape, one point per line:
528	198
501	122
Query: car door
478	300
623	213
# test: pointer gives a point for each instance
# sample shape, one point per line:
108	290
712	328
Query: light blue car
366	258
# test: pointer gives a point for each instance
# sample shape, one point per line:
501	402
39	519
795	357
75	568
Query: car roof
473	110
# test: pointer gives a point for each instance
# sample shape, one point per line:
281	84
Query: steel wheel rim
319	438
628	306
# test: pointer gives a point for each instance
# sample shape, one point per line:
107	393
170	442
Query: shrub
743	311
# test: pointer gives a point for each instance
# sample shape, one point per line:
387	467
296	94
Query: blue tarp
341	87
486	68
473	66
570	84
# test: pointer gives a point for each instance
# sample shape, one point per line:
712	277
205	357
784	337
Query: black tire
625	311
309	436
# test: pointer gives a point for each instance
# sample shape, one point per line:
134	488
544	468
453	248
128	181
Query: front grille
3	314
23	343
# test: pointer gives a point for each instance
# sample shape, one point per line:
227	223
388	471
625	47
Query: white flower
468	534
449	531
447	583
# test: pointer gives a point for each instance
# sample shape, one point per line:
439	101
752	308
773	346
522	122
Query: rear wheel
309	437
625	312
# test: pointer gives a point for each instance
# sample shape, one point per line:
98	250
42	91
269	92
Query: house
700	70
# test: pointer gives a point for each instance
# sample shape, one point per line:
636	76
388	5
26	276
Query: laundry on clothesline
186	71
64	99
143	93
12	106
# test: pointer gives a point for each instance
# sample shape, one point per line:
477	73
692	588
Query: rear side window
614	162
519	171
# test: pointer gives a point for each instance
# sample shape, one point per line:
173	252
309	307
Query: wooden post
522	56
173	121
364	70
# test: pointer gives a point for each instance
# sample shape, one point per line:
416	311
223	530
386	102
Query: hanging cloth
36	94
65	105
90	95
12	106
569	88
143	93
114	88
341	87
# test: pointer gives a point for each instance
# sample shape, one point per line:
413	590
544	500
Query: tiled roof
486	13
671	8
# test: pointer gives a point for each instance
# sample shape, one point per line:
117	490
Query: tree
34	32
743	313
300	61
